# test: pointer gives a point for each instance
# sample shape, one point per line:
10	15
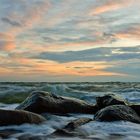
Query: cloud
65	38
4	36
21	15
11	22
131	68
34	13
6	42
86	67
96	54
110	5
7	45
32	67
132	32
24	13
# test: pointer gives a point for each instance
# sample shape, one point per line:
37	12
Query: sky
70	40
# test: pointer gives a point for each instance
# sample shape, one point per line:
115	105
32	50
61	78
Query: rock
15	117
69	129
116	113
32	137
108	100
76	123
63	133
24	137
41	102
136	107
6	133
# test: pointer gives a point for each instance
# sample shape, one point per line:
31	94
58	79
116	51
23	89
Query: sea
13	93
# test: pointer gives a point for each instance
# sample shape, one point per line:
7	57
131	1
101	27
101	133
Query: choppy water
11	94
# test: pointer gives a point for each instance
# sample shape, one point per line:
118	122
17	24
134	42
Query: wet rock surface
42	102
108	100
69	129
117	113
136	107
6	133
15	117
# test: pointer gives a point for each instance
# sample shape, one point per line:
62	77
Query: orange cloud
6	42
110	5
31	17
46	67
34	14
132	32
25	68
4	36
4	71
7	45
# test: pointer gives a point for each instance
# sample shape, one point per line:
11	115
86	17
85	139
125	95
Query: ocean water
11	94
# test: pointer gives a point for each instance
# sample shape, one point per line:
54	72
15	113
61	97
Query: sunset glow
69	40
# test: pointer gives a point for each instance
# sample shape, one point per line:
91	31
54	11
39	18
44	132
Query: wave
17	92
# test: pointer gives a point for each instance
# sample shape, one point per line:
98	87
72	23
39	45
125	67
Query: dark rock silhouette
107	100
41	102
107	107
15	117
136	107
116	113
6	133
32	137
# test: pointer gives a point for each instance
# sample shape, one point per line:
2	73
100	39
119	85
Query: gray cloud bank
95	54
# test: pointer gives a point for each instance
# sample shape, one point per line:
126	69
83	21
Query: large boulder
41	102
15	117
116	113
108	100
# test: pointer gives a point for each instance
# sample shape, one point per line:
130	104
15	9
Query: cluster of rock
107	108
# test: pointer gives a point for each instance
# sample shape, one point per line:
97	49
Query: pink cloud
32	16
130	33
110	5
6	42
7	45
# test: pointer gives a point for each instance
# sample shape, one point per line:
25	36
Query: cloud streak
9	21
96	54
110	5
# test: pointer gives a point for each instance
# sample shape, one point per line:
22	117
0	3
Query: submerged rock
41	102
108	100
76	123
116	113
15	117
6	133
69	129
32	137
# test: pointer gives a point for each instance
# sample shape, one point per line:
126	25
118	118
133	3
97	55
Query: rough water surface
11	94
